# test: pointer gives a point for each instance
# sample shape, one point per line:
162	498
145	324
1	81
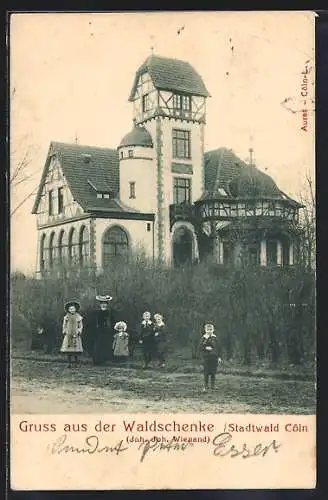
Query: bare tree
308	224
20	180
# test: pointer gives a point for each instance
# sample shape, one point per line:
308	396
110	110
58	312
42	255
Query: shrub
249	306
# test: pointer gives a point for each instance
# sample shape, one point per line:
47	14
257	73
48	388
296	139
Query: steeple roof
171	74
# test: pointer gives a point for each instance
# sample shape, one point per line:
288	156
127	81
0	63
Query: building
159	192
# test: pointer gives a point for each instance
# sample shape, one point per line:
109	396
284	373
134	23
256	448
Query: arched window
51	250
115	245
84	246
62	247
73	246
43	253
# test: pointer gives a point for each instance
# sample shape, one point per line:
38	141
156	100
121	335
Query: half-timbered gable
170	88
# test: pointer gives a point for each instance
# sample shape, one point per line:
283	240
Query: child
160	340
121	342
72	330
147	338
209	350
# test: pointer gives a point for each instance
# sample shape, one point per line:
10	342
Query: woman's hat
103	298
120	324
72	302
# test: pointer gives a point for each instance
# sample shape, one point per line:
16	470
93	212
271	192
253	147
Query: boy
209	351
147	338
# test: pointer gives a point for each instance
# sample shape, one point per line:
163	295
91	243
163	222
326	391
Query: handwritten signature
222	446
91	445
171	445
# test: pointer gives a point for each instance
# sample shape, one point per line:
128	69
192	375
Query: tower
137	170
169	101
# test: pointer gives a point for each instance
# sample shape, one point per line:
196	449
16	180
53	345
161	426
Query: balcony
183	212
246	208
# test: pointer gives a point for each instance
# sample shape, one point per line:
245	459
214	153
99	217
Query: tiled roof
81	164
139	136
224	170
171	74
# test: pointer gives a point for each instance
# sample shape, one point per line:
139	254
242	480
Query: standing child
147	338
72	330
160	339
210	354
121	342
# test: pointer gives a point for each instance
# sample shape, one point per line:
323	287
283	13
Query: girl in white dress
72	331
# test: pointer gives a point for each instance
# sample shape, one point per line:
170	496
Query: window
51	250
181	190
181	143
72	247
62	247
132	190
182	102
83	246
122	154
51	202
272	252
148	227
115	246
145	103
131	153
254	254
42	253
285	253
60	200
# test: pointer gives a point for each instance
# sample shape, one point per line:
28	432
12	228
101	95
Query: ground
44	384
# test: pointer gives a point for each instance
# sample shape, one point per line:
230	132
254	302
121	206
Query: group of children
152	338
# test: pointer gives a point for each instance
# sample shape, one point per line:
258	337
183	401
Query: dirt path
43	387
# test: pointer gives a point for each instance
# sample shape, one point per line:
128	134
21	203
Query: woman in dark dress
103	331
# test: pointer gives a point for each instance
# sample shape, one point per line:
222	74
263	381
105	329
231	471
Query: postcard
163	249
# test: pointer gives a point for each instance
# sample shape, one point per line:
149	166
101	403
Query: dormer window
86	157
102	189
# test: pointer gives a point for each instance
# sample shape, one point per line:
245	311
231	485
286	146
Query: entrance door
182	247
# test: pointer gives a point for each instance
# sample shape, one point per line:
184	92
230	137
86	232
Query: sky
71	75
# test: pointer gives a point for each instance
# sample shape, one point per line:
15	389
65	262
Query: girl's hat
158	316
72	302
104	298
208	323
120	324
